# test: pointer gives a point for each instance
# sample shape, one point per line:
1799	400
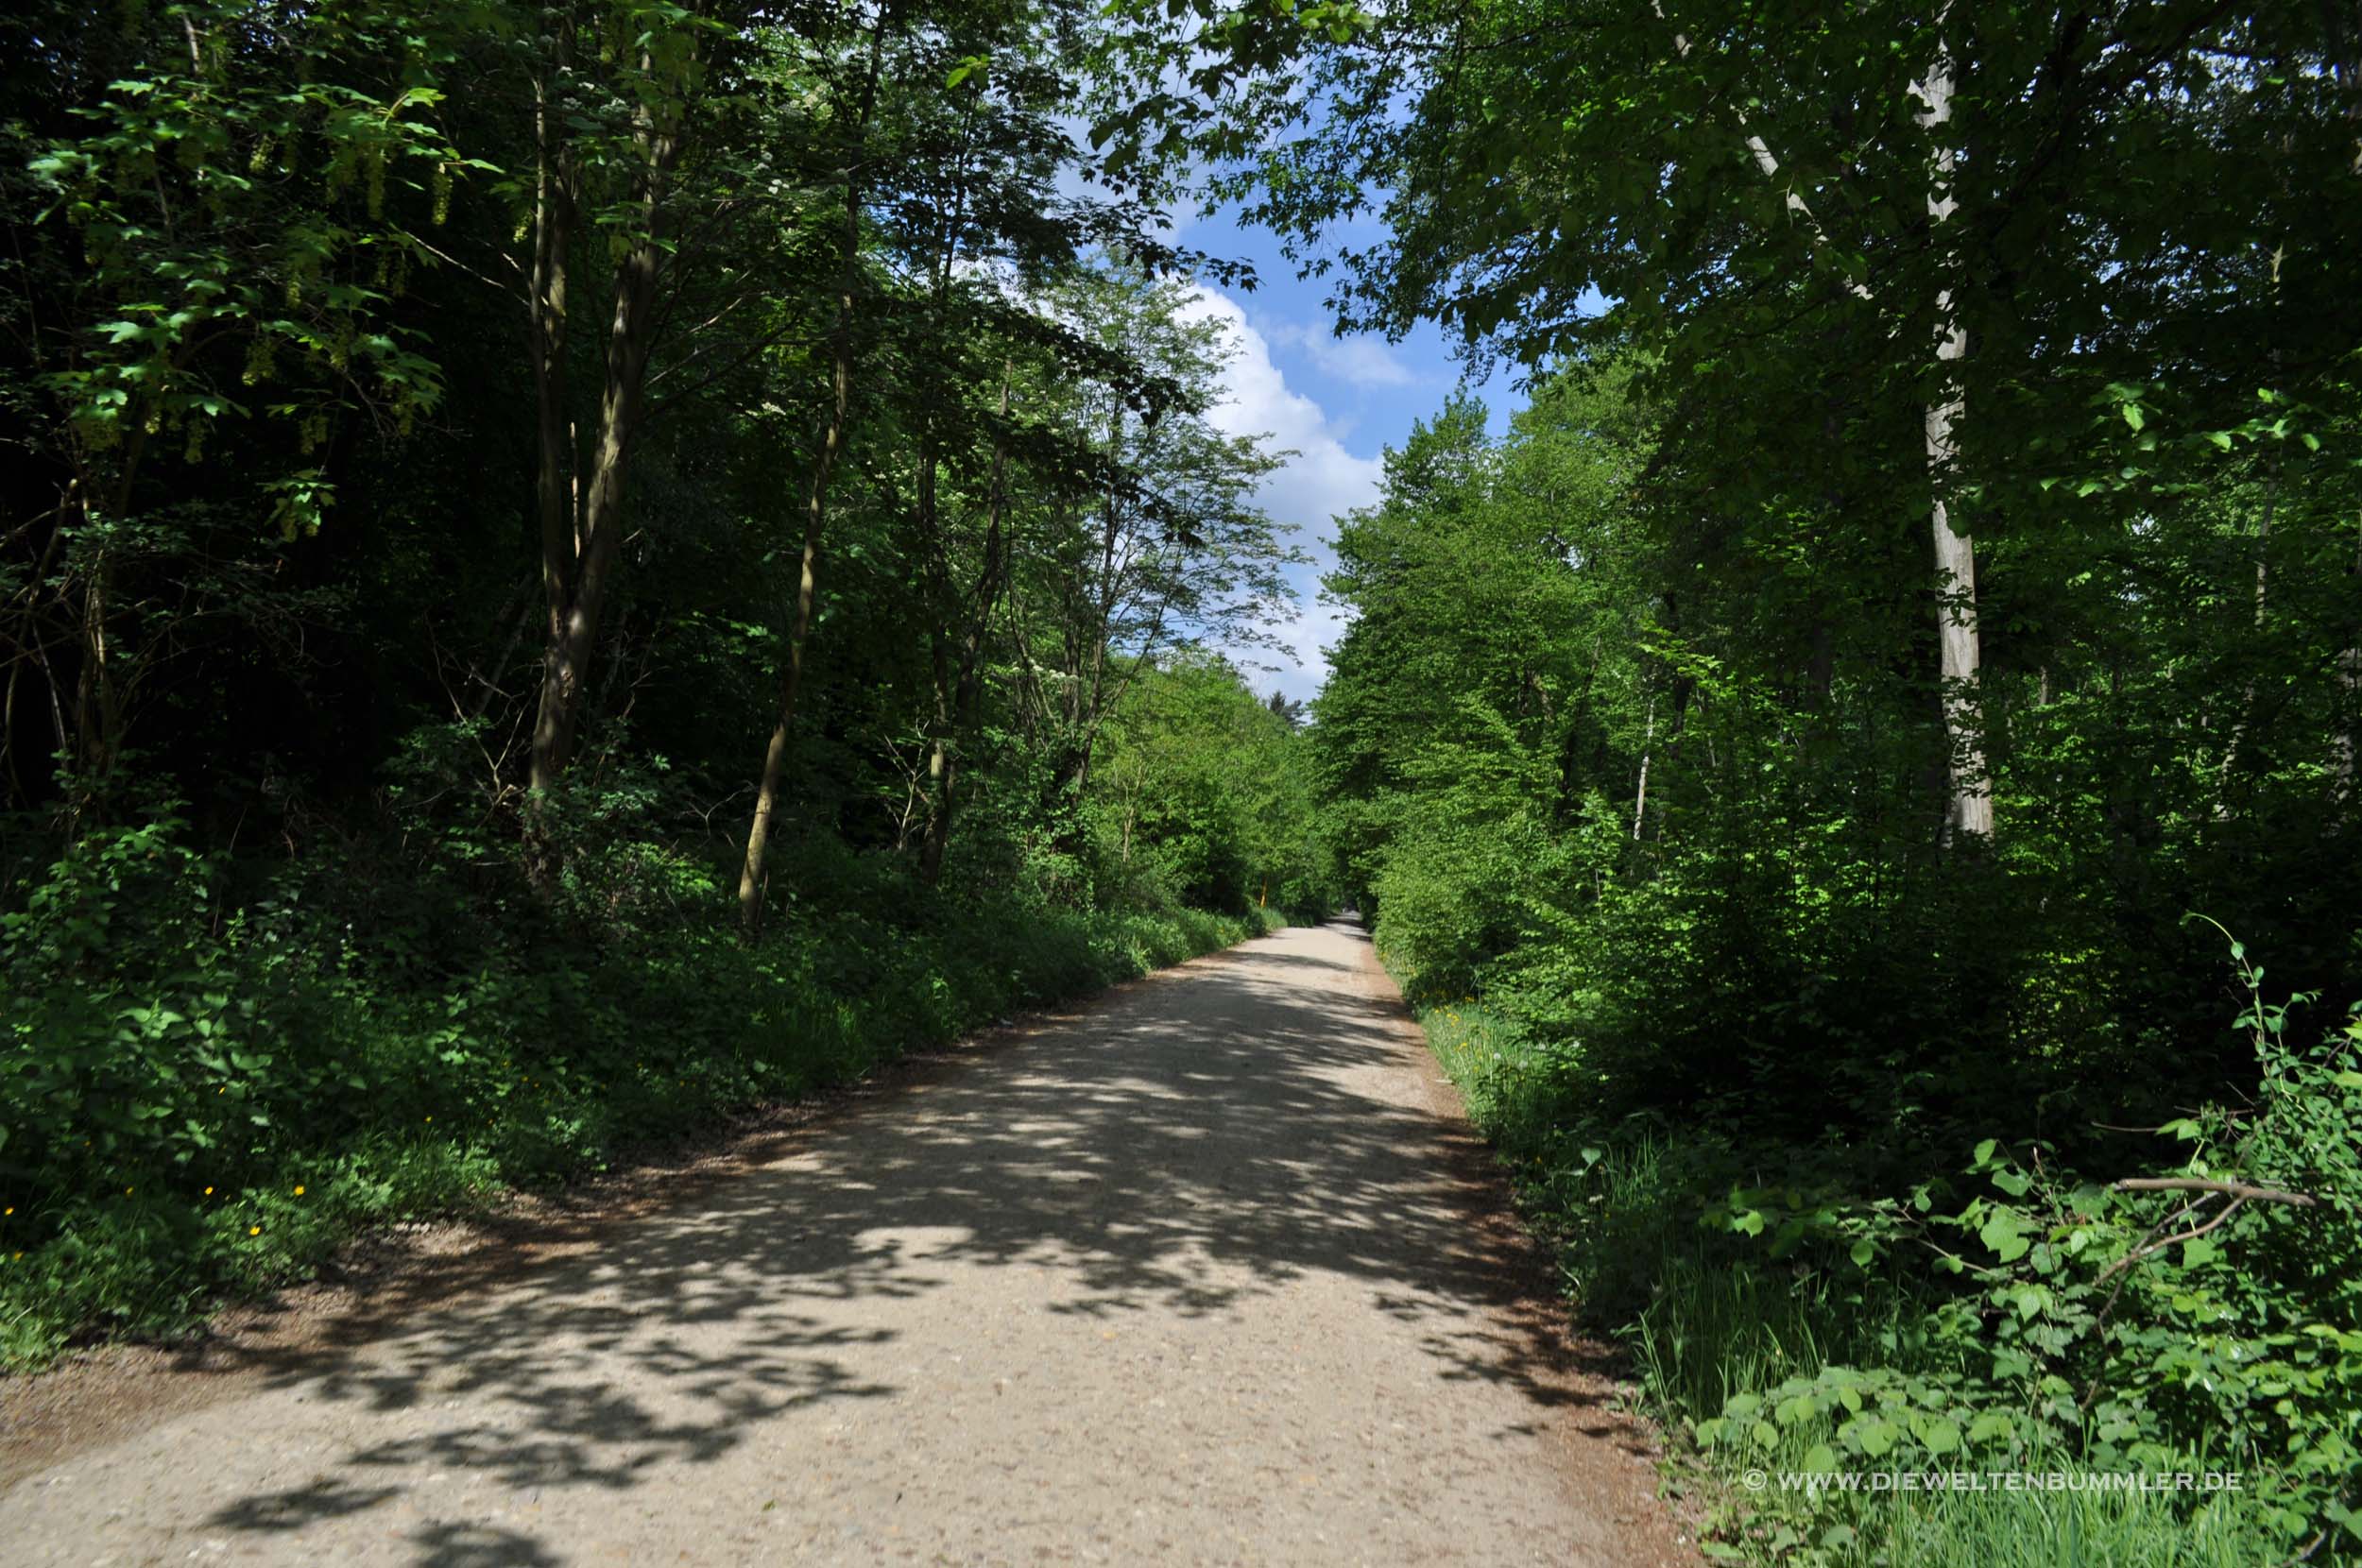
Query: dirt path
1210	1273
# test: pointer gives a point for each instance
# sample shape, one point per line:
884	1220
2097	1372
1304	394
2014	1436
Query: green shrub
1789	1311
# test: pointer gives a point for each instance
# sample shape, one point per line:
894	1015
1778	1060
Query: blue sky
1338	402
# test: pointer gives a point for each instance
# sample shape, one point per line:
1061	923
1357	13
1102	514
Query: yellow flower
13	1207
298	1192
126	1192
254	1230
208	1192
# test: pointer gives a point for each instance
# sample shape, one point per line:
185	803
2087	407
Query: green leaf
1875	1435
1937	1433
2004	1232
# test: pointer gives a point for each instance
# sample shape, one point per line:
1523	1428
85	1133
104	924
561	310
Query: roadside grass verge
1762	1361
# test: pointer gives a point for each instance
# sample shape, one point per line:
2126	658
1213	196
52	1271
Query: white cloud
1322	481
1361	361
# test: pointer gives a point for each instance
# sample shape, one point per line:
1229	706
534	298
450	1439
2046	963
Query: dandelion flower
298	1192
208	1192
254	1230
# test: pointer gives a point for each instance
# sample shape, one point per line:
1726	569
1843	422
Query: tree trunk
552	221
816	501
1969	791
1640	794
2346	749
2350	680
1968	797
97	706
574	618
944	767
807	584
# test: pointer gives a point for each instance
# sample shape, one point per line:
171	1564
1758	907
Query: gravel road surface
1208	1273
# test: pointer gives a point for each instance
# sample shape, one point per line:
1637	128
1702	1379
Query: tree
244	190
1164	543
1723	188
853	107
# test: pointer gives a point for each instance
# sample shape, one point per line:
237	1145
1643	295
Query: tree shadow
1187	1148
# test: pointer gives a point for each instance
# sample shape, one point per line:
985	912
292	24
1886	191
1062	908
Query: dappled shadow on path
1196	1143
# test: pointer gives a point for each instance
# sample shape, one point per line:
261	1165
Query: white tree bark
1968	802
1640	795
1969	797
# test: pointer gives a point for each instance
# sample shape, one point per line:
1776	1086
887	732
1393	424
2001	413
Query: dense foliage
446	442
1789	763
580	565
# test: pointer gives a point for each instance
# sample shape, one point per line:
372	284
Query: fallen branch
2091	1390
2239	1190
2134	1257
2240	1194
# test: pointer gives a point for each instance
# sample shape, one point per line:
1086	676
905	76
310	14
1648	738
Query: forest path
1211	1273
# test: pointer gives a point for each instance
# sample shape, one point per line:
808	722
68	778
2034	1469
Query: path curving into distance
1208	1273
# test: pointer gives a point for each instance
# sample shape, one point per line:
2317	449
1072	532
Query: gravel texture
1211	1273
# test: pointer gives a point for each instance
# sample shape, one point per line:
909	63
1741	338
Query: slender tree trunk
1640	795
103	683
943	766
2262	525
98	707
1969	794
806	587
553	219
1968	803
2350	680
2346	749
816	501
575	623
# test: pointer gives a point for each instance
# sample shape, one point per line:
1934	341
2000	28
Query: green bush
1790	1310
